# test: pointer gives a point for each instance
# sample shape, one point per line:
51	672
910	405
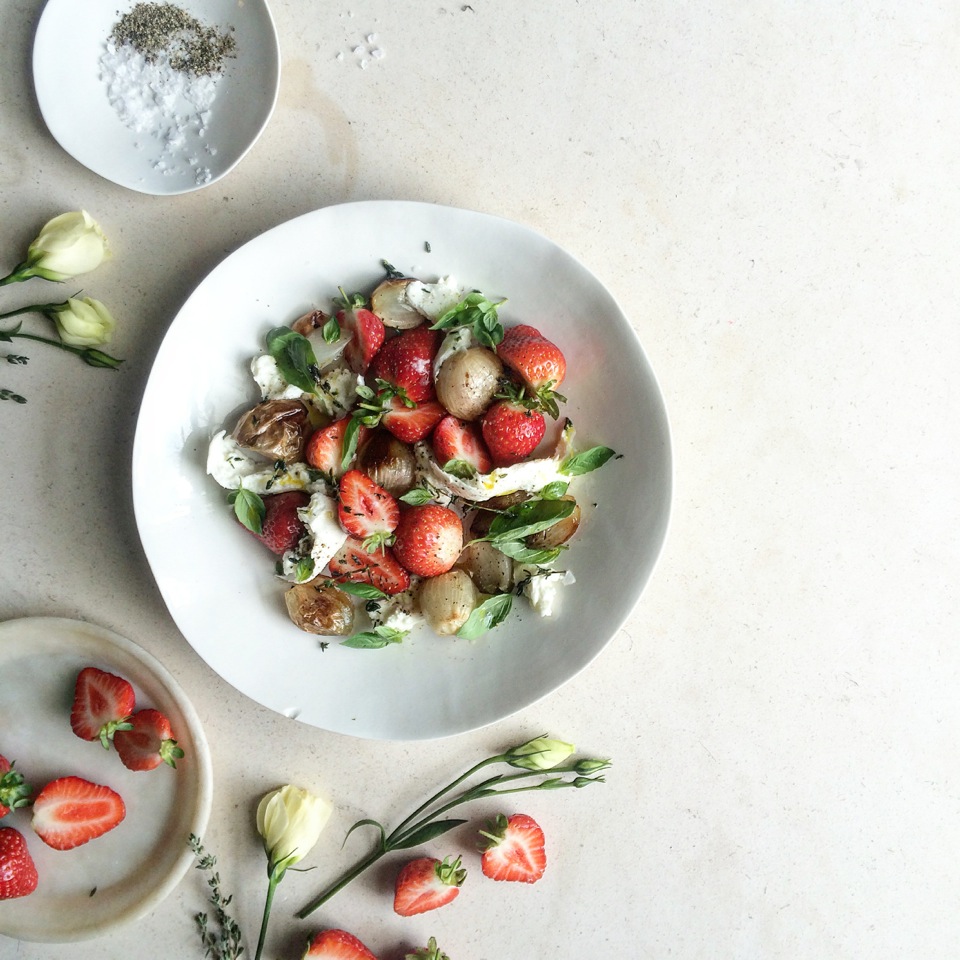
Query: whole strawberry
429	539
14	792
18	872
537	361
336	944
511	431
406	362
427	883
148	743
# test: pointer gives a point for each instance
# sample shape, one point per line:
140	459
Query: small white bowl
182	146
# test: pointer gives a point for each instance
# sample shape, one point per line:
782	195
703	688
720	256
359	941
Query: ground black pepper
190	46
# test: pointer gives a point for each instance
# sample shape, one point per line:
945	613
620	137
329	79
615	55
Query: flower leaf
425	833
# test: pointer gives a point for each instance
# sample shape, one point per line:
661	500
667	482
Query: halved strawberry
71	811
538	362
406	362
365	329
148	743
513	849
18	872
14	792
427	883
511	431
324	450
459	447
282	528
412	424
353	563
366	510
336	945
102	704
429	539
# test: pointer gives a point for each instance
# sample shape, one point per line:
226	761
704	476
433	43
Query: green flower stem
399	837
90	355
23	271
276	875
33	308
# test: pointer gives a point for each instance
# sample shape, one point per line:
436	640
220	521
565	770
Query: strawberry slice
365	329
411	424
324	451
353	563
18	872
102	702
148	743
511	431
459	447
336	945
14	792
282	528
71	811
406	362
514	849
427	883
367	511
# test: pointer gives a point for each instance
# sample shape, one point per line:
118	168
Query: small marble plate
125	873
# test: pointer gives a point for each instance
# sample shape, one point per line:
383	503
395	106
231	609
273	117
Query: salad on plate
408	463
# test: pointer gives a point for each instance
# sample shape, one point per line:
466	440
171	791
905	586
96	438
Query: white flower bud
68	245
290	820
83	323
541	753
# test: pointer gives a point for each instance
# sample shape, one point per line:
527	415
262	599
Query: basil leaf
367	591
460	468
351	439
586	461
417	496
305	568
523	519
375	639
249	508
486	616
294	356
478	313
331	331
518	550
555	490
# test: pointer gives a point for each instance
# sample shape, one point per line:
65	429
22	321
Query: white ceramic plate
125	873
70	40
217	580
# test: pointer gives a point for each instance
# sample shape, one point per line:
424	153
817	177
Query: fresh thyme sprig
226	943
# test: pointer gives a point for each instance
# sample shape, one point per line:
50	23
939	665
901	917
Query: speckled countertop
772	192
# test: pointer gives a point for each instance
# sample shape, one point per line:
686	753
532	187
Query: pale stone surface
771	191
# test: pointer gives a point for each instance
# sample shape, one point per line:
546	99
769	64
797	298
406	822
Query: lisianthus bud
68	245
83	323
591	765
290	820
540	753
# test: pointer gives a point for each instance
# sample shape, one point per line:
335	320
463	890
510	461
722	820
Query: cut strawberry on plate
427	883
513	849
71	811
366	510
18	872
459	447
354	563
411	424
102	702
365	330
14	792
281	528
336	945
148	743
324	450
